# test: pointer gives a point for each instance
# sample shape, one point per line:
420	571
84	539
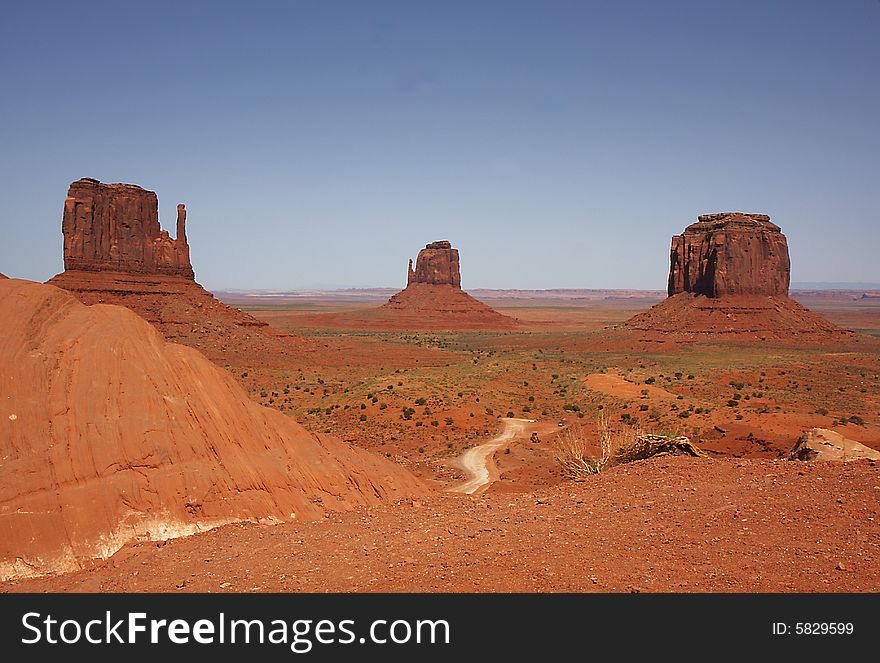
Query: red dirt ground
675	524
658	525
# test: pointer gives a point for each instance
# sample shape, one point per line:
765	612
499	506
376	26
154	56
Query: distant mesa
729	274
115	252
110	434
433	296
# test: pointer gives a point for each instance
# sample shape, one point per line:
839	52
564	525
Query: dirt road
478	461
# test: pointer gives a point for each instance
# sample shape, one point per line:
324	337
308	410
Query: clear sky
556	144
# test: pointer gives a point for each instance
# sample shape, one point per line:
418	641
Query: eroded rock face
731	253
115	227
824	444
436	264
109	434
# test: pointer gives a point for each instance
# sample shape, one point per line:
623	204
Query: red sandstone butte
433	297
111	434
436	264
731	253
115	227
116	253
729	275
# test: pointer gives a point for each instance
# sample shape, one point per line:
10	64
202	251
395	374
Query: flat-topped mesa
731	253
436	264
115	227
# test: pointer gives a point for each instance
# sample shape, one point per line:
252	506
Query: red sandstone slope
748	318
185	313
108	434
442	306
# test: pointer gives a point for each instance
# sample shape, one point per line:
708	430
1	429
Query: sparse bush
363	417
615	448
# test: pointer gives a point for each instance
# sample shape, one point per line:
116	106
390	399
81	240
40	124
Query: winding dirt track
478	461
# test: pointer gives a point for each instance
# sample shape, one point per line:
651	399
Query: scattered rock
824	444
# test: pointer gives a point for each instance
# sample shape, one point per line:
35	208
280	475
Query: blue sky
556	144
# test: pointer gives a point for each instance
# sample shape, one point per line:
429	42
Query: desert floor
742	520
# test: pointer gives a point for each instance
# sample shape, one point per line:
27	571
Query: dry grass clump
615	448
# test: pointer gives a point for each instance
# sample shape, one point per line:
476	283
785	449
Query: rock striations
109	434
116	253
730	254
729	276
115	228
436	264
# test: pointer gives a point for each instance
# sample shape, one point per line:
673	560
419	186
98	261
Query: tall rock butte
433	298
111	434
115	252
115	227
731	253
436	264
729	275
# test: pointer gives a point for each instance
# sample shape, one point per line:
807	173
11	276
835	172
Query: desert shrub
420	401
435	423
643	408
509	414
615	448
650	380
732	403
363	417
856	419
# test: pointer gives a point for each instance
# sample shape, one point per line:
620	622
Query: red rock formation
433	298
436	264
115	227
110	434
115	253
729	276
731	253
